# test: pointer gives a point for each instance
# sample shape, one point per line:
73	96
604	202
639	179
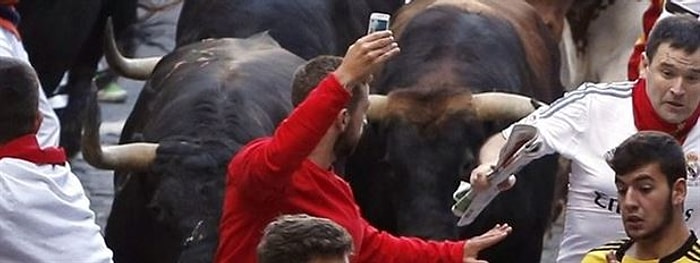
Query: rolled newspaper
520	149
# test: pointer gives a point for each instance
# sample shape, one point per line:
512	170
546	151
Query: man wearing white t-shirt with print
44	213
587	122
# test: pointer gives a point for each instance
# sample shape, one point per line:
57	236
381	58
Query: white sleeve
560	125
6	48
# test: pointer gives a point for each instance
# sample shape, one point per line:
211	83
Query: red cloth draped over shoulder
648	19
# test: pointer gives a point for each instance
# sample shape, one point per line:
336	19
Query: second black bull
201	104
425	134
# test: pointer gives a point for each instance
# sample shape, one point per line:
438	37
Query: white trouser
50	129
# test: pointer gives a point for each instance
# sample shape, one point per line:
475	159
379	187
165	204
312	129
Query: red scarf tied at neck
27	148
645	118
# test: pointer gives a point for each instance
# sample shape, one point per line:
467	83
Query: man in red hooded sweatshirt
291	172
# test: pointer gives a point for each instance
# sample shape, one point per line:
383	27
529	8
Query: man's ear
342	120
644	67
679	191
37	121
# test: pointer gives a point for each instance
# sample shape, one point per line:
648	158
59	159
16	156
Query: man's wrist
467	252
344	79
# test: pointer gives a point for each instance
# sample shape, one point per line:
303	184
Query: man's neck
670	241
324	155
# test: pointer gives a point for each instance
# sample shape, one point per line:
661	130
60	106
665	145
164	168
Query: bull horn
131	157
377	107
139	69
491	106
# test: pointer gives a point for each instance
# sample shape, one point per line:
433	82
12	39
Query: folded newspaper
521	148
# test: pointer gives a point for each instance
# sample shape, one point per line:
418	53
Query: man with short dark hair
44	213
308	75
658	9
304	239
650	177
291	172
18	89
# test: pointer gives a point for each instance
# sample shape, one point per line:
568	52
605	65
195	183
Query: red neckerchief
27	148
645	118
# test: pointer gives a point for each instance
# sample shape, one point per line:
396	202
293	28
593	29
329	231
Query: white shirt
690	5
45	216
49	131
582	126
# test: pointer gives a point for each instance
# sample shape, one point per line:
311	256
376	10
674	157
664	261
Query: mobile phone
378	22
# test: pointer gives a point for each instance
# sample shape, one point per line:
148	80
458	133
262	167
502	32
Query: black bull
410	162
66	36
307	28
201	104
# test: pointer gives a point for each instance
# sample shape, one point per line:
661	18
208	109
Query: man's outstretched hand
474	245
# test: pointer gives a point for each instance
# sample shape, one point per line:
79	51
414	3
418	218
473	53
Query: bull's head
181	183
431	139
175	186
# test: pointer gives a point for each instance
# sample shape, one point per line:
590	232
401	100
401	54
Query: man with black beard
291	172
650	176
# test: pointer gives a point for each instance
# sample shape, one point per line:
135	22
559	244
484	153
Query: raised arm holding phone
291	172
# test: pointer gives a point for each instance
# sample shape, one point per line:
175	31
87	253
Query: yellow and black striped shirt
689	252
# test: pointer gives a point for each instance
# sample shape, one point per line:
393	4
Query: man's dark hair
18	99
680	31
300	238
649	147
308	75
